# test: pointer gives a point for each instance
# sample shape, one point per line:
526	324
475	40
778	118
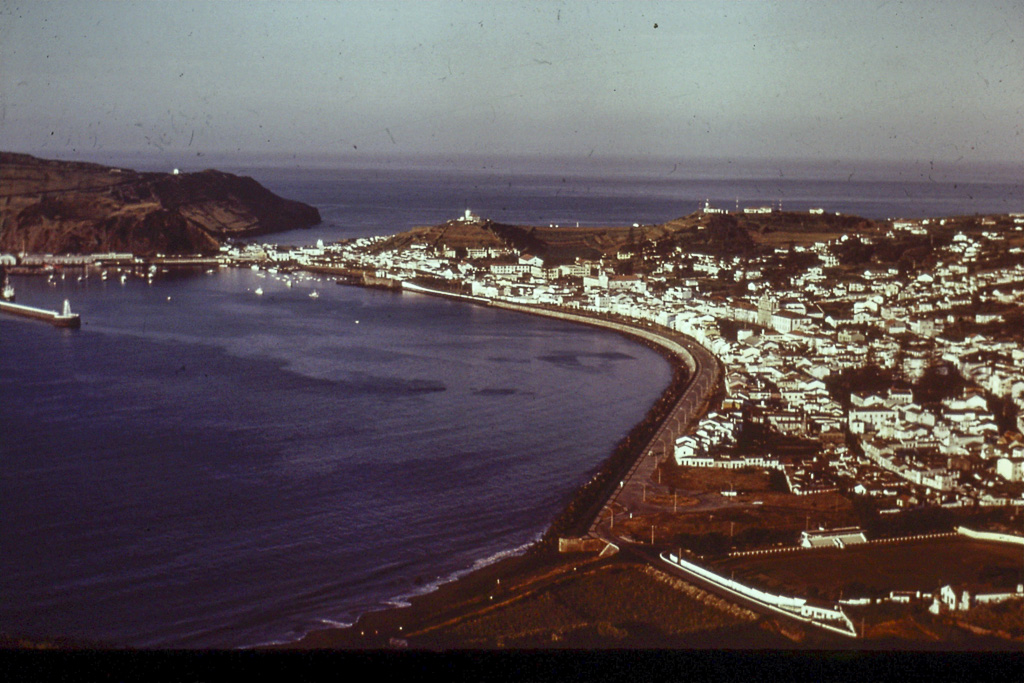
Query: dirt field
859	570
782	517
755	506
693	479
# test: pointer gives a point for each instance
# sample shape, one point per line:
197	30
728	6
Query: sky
926	81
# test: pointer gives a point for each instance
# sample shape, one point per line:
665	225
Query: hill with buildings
709	231
76	207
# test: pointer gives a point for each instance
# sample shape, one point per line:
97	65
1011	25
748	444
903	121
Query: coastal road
704	373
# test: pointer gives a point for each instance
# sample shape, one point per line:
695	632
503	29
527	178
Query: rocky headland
70	207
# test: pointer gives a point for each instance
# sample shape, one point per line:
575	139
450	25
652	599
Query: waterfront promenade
704	374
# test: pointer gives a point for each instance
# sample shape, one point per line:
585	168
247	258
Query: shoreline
542	550
382	628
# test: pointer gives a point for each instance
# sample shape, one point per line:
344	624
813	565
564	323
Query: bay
199	466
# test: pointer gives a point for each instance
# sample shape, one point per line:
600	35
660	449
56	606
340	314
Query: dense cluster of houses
789	342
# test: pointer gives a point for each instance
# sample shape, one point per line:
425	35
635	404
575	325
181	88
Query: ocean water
199	466
382	200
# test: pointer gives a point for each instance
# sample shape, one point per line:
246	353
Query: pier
64	318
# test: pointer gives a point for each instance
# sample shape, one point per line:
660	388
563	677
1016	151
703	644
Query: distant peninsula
71	207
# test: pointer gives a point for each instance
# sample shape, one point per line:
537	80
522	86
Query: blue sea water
199	466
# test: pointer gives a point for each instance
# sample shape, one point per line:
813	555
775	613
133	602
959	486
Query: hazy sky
922	81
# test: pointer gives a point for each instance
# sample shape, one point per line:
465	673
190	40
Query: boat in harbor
259	291
7	294
314	295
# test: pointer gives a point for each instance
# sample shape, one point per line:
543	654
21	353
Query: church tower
766	308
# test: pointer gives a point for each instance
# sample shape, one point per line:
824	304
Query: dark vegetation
71	207
1002	619
1009	328
940	381
910	253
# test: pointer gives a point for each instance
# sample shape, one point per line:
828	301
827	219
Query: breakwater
356	277
63	318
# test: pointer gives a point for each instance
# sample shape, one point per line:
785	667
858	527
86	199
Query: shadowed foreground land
563	602
541	601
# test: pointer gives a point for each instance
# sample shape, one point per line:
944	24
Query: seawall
624	474
67	319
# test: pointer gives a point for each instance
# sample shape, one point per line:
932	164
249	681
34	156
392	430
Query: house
829	538
1010	469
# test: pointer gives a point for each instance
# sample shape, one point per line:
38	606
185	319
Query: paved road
638	484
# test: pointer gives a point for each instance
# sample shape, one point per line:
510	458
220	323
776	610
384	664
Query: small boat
314	295
259	291
8	293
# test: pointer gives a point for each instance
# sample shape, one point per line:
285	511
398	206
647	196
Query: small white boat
259	291
314	295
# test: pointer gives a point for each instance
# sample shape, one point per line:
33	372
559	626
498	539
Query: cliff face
75	207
